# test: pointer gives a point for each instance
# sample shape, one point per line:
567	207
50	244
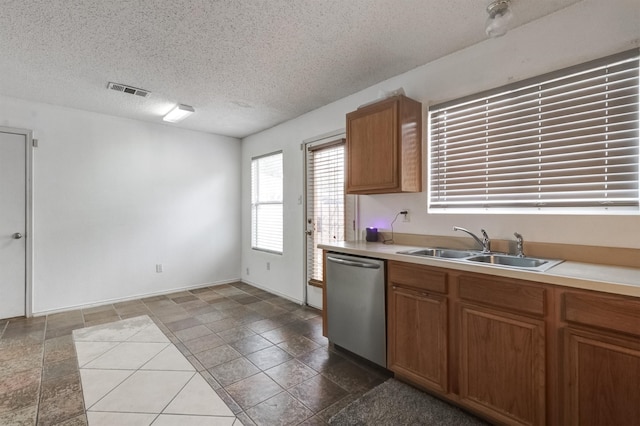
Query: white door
330	214
13	225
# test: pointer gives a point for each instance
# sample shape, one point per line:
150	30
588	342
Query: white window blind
267	203
568	139
325	202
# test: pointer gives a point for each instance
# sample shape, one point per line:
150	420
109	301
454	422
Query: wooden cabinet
384	147
417	331
502	348
600	380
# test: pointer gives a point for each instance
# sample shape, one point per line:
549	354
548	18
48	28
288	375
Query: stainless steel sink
494	259
439	252
530	263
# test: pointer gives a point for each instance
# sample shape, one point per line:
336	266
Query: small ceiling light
180	112
500	17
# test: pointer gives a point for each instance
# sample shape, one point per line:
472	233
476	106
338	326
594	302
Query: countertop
587	276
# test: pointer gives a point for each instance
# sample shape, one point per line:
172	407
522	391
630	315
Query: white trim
28	291
272	291
306	144
128	298
333	134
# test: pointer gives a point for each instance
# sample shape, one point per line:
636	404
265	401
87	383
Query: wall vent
128	89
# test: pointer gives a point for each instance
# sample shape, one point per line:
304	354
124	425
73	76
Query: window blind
267	203
325	202
567	139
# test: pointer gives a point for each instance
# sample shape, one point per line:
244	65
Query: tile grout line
84	406
169	333
41	383
105	395
174	396
168	344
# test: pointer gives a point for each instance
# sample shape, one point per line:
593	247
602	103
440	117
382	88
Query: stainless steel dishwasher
355	306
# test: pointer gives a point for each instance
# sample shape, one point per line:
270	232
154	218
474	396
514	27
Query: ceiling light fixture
500	17
180	112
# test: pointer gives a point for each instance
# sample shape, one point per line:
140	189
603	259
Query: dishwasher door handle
352	263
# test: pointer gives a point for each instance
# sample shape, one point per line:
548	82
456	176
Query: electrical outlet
158	267
405	217
268	266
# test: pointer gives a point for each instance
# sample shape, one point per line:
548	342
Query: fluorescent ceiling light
180	112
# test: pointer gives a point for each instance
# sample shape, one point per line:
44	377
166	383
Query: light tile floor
263	355
132	374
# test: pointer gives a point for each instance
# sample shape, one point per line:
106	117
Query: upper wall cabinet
384	147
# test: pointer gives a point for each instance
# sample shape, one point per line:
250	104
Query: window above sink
561	143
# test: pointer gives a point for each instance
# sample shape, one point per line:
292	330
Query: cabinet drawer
417	276
608	312
509	294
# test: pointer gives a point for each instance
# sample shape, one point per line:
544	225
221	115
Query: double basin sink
495	259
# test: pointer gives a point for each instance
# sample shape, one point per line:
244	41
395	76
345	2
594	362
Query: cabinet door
417	337
372	149
502	365
602	379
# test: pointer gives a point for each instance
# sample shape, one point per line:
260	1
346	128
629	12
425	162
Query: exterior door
330	213
13	224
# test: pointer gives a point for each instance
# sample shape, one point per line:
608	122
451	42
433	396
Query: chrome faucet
519	245
485	242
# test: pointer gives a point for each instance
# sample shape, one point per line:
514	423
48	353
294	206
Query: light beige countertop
587	276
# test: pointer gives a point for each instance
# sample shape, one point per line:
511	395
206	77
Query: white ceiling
244	65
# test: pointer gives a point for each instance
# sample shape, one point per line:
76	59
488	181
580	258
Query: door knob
16	236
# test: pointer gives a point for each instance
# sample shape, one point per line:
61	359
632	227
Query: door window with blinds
563	142
267	203
329	210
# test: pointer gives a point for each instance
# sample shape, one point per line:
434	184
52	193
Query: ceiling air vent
128	89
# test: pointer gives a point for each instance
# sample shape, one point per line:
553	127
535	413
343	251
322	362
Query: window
563	142
266	203
325	202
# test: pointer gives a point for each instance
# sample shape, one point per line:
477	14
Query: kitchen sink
439	252
515	261
494	259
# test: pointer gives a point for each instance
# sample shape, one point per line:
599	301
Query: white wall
587	30
114	197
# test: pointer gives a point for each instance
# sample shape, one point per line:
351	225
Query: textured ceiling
244	65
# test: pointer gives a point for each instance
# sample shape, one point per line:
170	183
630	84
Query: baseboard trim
128	298
270	290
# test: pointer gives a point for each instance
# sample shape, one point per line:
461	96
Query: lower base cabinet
502	341
419	337
603	379
502	365
601	363
417	332
515	352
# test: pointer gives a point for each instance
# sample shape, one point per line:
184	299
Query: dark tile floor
264	355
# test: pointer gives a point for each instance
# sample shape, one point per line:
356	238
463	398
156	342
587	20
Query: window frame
508	93
328	181
256	202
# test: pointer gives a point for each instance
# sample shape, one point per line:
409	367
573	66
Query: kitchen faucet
519	245
485	242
